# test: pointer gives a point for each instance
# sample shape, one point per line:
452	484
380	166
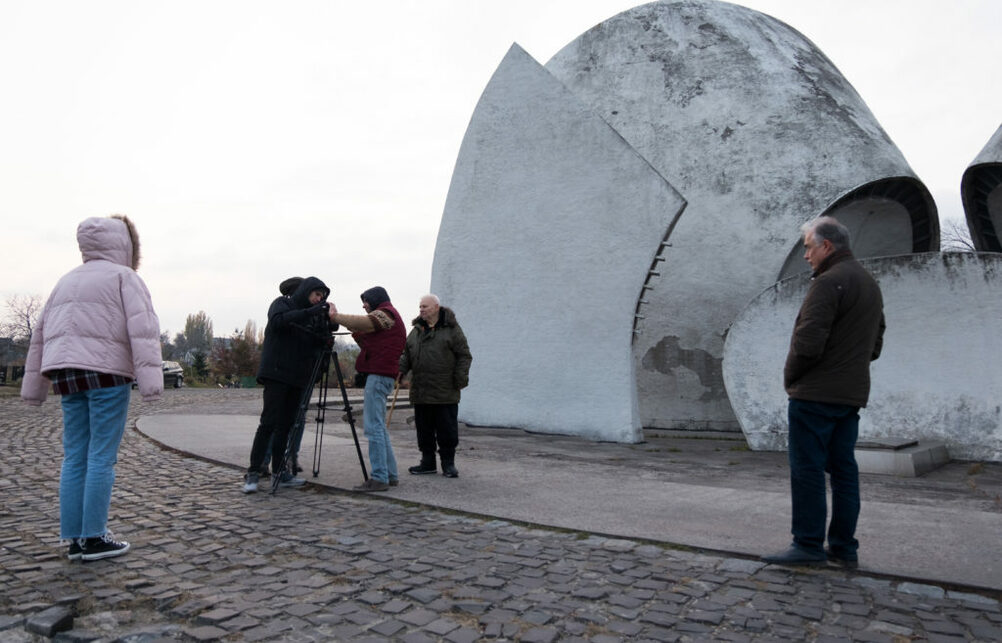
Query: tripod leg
318	441
351	418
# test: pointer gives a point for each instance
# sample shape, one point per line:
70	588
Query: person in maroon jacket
381	335
838	332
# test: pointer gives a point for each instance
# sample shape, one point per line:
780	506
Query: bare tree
22	316
955	237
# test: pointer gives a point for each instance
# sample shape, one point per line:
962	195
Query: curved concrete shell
551	224
937	378
563	239
981	190
759	132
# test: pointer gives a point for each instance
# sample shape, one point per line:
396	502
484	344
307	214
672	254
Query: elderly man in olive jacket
439	359
838	332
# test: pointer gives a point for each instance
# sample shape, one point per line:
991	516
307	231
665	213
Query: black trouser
437	423
281	405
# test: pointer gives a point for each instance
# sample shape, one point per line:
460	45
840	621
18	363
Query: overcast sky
253	141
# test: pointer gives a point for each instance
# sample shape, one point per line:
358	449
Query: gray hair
827	229
432	297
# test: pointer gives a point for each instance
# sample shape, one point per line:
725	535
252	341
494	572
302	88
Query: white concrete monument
552	223
759	132
563	247
981	190
938	378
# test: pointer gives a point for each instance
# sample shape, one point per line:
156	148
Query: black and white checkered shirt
74	380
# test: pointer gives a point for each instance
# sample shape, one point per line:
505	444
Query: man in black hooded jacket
299	327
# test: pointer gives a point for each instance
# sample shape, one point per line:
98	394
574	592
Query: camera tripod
319	381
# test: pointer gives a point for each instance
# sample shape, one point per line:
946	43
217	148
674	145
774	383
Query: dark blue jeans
822	438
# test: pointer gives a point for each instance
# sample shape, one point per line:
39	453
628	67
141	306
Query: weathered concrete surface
759	132
551	224
981	190
938	378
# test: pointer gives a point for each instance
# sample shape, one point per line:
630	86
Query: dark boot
427	466
449	467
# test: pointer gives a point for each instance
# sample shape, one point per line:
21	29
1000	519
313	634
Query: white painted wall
550	225
939	377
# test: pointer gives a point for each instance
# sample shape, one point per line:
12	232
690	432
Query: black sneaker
423	469
75	550
450	471
103	547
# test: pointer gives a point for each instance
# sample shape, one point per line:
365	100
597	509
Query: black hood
301	297
375	296
289	286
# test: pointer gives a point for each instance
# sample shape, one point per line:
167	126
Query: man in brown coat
838	332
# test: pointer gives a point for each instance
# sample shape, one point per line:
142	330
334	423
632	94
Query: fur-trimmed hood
446	318
111	238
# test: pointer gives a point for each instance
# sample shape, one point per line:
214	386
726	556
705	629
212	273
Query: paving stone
700	616
463	635
206	633
418	617
441	626
238	623
943	627
540	635
50	621
388	627
10	622
422	595
470	607
922	590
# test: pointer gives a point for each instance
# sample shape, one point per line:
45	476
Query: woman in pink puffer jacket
96	334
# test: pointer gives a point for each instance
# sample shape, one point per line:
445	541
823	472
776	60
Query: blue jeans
381	459
93	425
822	438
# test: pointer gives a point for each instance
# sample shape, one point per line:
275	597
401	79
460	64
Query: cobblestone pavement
209	563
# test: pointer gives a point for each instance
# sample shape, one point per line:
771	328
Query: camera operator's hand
316	309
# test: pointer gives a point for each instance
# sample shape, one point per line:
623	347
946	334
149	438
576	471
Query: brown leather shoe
372	485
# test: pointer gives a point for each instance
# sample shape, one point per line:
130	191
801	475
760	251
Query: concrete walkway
706	492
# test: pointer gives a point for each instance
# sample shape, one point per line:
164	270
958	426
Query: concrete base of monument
900	456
